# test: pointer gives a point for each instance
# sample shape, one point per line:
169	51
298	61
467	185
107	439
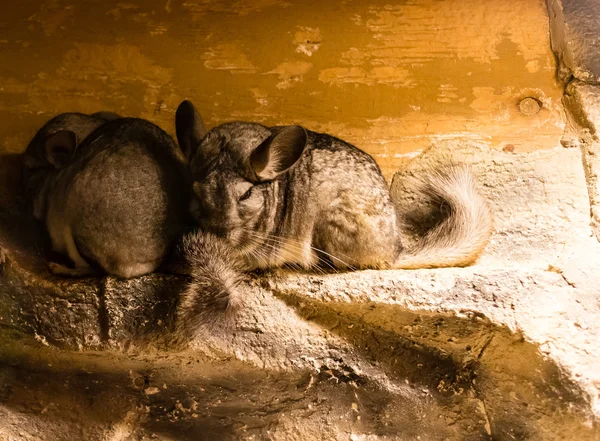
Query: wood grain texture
391	77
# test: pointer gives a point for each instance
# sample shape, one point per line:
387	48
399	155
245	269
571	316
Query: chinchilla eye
246	195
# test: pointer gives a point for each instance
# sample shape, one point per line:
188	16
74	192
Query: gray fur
216	275
118	202
311	198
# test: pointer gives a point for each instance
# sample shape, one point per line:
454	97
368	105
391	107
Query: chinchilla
112	192
290	196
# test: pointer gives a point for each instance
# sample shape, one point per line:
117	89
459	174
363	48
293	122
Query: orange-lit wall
387	76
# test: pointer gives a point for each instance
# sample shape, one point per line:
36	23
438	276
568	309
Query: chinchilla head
238	169
52	148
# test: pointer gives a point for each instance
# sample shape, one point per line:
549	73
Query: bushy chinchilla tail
460	235
213	295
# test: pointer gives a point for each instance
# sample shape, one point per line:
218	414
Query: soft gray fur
216	273
290	196
112	192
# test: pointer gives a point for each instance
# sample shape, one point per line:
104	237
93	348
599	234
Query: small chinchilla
290	196
111	192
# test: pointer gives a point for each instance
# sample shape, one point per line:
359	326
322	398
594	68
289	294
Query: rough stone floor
506	349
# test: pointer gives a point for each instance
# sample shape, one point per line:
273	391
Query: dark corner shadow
65	404
20	233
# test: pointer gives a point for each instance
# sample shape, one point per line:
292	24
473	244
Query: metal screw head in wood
529	106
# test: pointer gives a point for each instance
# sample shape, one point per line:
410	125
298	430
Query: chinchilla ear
189	128
106	116
209	148
278	153
59	148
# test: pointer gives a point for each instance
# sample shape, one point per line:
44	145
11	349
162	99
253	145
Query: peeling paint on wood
390	77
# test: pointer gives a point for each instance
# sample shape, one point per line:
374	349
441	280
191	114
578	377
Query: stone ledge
543	306
488	340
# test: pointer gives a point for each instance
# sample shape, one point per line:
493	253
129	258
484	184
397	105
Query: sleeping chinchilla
111	191
272	196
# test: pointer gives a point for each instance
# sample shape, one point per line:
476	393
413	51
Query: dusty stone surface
539	200
542	306
542	233
575	38
177	397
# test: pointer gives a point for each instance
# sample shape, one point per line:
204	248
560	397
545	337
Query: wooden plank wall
391	77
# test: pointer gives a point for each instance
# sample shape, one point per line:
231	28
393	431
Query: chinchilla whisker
295	244
275	237
286	254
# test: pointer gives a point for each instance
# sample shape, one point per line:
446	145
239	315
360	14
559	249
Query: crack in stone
587	168
485	346
2	261
579	123
560	272
103	319
571	284
488	425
